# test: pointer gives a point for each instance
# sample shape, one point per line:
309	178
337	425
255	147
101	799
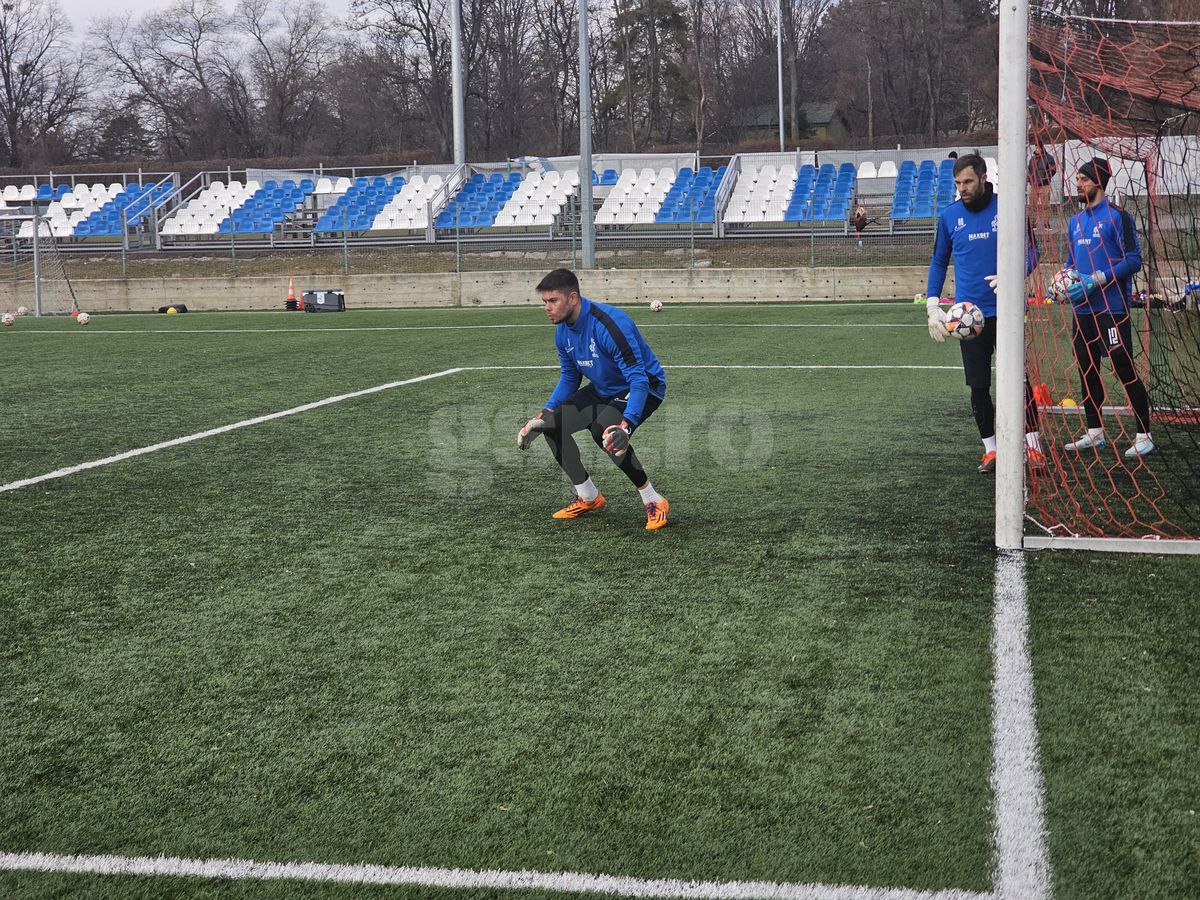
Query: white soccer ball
1061	283
8	318
22	310
655	306
964	320
84	318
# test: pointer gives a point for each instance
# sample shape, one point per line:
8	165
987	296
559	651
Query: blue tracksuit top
605	345
1103	239
971	238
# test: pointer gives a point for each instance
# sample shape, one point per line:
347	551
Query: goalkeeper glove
937	319
535	426
1084	287
616	439
993	282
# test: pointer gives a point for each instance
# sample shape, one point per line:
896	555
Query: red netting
1127	358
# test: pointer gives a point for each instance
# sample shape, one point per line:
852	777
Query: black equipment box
325	301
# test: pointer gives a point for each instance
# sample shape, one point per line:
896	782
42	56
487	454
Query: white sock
649	494
1095	432
1032	441
587	490
989	444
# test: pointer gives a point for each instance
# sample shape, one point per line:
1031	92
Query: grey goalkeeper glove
937	319
616	439
531	429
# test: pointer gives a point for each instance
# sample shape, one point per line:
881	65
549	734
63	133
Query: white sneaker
1087	442
1141	447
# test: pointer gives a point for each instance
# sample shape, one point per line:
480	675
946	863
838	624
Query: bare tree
289	41
41	84
177	66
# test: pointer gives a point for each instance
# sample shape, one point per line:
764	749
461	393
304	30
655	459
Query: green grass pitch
355	635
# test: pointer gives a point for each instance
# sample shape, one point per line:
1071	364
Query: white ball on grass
83	318
655	306
8	318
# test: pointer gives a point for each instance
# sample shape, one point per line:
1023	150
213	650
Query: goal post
1120	100
1010	263
33	274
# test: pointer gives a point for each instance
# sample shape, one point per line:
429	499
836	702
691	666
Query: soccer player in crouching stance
626	385
1104	246
966	229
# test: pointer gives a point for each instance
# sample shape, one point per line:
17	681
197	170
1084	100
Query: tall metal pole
456	82
1010	264
587	225
779	63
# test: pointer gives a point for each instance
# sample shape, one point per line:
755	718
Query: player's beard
1087	196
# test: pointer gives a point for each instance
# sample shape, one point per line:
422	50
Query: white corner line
567	882
201	435
1022	858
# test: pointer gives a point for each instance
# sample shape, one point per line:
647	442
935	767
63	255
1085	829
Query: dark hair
971	161
563	280
953	154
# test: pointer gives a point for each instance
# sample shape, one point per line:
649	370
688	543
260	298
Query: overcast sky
81	12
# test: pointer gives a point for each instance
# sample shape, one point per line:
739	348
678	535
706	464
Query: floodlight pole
587	225
779	63
456	82
1010	264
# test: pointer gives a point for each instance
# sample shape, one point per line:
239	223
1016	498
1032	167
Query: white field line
258	420
673	367
568	882
1023	865
187	439
174	442
545	326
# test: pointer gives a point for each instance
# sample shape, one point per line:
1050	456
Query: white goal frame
37	241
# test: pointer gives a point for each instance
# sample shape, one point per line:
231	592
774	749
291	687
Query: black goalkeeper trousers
1099	335
586	409
977	366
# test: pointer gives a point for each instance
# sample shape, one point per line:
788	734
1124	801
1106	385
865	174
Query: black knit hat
1098	170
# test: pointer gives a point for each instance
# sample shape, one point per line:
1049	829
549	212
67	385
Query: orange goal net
1115	363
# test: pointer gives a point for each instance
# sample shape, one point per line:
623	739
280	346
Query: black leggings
1097	335
587	409
977	366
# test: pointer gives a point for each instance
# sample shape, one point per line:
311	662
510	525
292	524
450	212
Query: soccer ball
7	318
22	310
655	306
964	320
1063	279
83	318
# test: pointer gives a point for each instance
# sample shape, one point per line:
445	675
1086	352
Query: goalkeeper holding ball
626	385
1103	242
966	230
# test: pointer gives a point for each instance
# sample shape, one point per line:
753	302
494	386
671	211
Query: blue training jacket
1103	239
971	238
605	345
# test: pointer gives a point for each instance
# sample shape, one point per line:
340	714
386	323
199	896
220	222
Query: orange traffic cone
292	302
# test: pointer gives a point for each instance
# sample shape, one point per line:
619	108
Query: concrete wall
513	288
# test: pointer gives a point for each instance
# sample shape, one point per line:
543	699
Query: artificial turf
356	635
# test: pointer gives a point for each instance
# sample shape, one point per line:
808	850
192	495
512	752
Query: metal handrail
449	187
724	192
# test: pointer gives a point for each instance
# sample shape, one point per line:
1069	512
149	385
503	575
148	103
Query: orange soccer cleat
656	514
580	507
1035	459
987	465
